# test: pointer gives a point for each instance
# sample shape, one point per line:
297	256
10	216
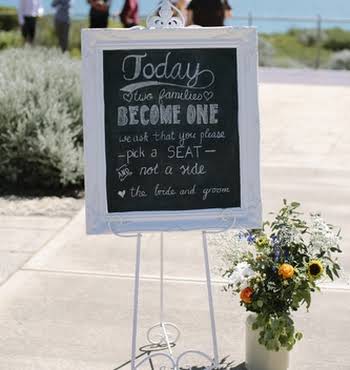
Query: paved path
69	306
304	77
21	237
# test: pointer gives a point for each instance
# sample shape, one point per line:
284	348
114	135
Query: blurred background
298	34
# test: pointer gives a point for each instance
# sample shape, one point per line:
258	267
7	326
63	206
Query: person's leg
58	31
31	25
27	29
65	36
24	30
101	20
92	19
104	20
62	31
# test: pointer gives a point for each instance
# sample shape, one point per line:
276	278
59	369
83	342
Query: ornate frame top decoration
164	17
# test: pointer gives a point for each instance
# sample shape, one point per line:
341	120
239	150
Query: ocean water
296	8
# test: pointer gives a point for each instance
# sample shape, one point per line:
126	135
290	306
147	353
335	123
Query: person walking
28	12
207	13
129	15
62	22
99	13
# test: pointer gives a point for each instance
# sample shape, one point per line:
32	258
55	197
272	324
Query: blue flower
277	253
273	239
286	254
250	239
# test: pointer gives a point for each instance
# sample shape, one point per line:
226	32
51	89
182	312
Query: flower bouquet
275	270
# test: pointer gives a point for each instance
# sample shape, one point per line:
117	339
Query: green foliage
8	18
291	52
280	271
40	119
308	37
10	39
337	39
276	331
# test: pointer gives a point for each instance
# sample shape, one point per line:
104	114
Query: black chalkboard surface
171	129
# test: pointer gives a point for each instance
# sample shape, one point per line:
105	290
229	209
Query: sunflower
314	269
262	241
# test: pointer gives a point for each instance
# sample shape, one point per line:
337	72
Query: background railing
317	23
265	24
251	18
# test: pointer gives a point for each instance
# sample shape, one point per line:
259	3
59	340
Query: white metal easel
165	334
168	333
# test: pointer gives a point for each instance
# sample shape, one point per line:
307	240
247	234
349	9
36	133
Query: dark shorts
62	32
28	28
98	19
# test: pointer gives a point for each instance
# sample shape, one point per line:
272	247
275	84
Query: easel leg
161	278
136	301
162	323
210	299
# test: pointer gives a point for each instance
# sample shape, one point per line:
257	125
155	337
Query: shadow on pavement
224	364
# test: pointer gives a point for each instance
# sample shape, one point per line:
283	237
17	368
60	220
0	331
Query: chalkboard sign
171	133
171	129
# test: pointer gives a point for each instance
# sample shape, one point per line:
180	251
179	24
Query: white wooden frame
98	220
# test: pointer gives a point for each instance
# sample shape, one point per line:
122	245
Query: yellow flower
246	295
286	271
314	269
262	241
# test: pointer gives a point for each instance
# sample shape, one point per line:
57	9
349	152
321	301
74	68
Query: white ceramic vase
257	356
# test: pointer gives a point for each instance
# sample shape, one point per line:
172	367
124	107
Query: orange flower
246	295
286	271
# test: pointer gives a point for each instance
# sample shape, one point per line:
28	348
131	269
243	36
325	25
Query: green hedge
10	39
8	19
337	39
40	119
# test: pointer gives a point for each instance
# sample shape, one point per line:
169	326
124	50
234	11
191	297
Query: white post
161	278
136	301
210	299
162	322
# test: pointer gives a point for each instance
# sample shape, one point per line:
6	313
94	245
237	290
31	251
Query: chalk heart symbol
121	193
208	95
127	97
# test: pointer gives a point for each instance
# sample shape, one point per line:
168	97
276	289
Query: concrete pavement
69	306
21	237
